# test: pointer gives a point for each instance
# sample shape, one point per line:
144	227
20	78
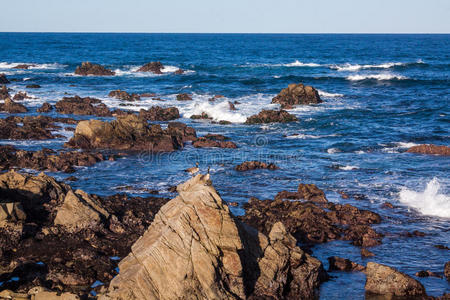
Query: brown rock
33	86
24	66
296	94
157	113
253	165
122	95
427	273
203	116
82	106
231	105
21	96
154	67
183	97
384	280
88	68
271	116
12	107
366	253
46	107
387	205
3	79
212	140
447	270
196	247
308	192
4	93
343	264
430	149
442	247
179	72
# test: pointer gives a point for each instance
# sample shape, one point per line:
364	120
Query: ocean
382	94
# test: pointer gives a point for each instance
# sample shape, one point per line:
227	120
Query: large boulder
3	79
384	280
196	249
88	68
128	132
153	67
296	94
123	95
157	113
12	107
271	116
82	106
430	149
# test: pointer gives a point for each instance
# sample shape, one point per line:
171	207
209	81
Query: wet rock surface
157	113
296	94
33	86
254	165
196	247
68	238
122	95
213	141
46	159
12	107
46	107
3	79
430	149
33	128
447	270
21	96
88	68
4	93
153	67
343	264
384	280
82	106
184	97
271	116
130	133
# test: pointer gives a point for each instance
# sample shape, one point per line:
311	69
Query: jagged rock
32	127
253	165
195	248
213	141
4	93
122	95
430	149
24	66
82	106
157	113
12	107
183	97
203	116
46	107
366	253
11	212
46	159
88	68
296	94
3	79
308	192
182	130
231	105
343	264
271	116
21	96
447	270
129	133
384	280
33	86
154	67
427	273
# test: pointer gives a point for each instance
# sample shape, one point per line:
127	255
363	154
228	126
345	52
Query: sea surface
382	94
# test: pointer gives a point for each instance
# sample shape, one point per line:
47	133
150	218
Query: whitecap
380	77
348	168
357	67
216	111
329	95
7	65
297	63
429	202
333	150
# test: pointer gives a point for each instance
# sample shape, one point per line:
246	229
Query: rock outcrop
157	113
82	106
4	93
447	270
46	107
384	280
253	165
12	107
343	264
296	94
21	96
24	66
196	249
213	141
3	79
130	132
88	68
33	86
308	192
430	149
271	116
122	95
153	67
184	97
34	128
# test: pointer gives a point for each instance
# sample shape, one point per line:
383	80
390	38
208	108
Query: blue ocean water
382	94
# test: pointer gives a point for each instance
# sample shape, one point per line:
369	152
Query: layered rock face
296	94
88	68
430	149
384	280
271	116
130	133
196	249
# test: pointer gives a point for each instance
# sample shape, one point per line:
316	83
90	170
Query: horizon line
299	33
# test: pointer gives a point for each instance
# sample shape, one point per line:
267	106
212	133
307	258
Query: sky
228	16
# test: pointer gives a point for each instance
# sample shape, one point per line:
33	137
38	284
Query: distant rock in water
271	116
12	107
343	264
88	68
384	280
130	132
307	192
153	67
3	79
213	141
184	97
157	113
82	106
296	94
33	86
430	149
253	165
46	107
21	96
24	66
196	249
122	95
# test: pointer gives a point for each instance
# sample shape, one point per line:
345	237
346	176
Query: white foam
301	64
329	95
216	111
376	76
7	65
398	146
333	150
348	168
429	202
309	136
357	67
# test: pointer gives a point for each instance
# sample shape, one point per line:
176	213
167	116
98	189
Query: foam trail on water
297	63
216	111
329	95
7	65
428	202
376	77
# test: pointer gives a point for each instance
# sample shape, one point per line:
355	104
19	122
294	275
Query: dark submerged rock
3	79
157	113
253	165
343	264
33	86
296	94
34	128
184	97
88	68
154	67
46	107
215	141
122	95
21	96
271	116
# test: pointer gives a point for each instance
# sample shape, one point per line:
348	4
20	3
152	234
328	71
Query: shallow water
382	94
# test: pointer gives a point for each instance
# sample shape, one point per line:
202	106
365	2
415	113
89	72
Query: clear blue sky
282	16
